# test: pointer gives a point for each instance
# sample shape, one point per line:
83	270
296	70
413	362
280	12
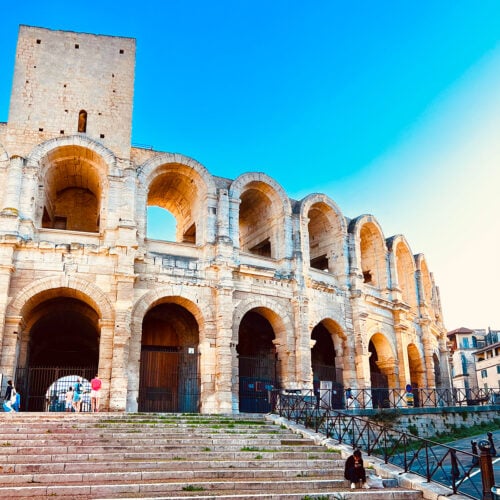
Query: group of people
74	395
73	400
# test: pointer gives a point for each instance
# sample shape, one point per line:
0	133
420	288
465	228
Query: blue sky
390	108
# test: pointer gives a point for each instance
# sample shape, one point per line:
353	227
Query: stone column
117	337
303	370
8	360
223	342
12	195
12	192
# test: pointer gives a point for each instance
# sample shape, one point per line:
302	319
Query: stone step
164	475
333	466
146	455
196	488
92	456
227	442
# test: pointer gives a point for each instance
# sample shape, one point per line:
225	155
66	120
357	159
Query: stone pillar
12	192
223	341
10	341
428	375
117	337
12	195
303	370
6	271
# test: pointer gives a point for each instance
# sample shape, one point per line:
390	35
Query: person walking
77	395
355	471
95	393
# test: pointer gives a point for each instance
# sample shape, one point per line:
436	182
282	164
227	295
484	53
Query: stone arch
370	251
416	366
58	322
425	282
31	295
383	371
263	215
328	350
82	141
323	234
263	357
73	183
183	187
274	312
172	294
405	270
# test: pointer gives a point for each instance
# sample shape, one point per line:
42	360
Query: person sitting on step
355	471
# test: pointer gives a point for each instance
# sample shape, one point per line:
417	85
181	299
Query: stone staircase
104	456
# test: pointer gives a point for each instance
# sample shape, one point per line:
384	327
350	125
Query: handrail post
486	465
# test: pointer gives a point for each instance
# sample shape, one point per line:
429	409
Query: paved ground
465	444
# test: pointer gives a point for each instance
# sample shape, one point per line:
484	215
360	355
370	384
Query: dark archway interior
169	325
66	334
257	363
255	336
169	379
323	355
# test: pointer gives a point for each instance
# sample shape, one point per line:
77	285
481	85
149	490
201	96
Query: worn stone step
165	475
229	491
334	466
143	455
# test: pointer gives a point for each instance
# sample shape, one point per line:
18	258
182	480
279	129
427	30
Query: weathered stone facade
257	288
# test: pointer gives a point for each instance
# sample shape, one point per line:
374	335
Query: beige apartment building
257	291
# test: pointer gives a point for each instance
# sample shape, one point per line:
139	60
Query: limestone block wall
55	78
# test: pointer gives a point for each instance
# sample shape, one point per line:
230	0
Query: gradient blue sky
389	107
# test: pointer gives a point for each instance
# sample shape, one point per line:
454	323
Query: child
69	399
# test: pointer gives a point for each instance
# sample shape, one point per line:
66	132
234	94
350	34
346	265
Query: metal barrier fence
400	398
456	469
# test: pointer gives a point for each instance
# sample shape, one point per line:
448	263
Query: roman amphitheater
257	291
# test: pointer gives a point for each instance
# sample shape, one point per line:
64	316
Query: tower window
38	41
121	51
77	46
82	121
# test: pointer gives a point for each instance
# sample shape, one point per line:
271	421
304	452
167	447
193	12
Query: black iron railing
448	466
382	397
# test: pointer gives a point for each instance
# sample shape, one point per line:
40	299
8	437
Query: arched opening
426	293
381	370
327	378
325	239
257	363
82	121
179	190
169	380
437	371
62	339
417	371
72	189
406	275
161	224
373	256
260	220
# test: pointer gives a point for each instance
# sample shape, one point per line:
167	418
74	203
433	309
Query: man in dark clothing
355	470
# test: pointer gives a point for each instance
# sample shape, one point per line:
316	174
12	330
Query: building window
498	368
484	373
82	121
465	343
